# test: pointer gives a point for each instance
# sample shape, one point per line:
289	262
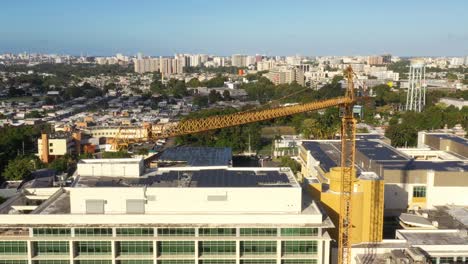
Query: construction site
356	199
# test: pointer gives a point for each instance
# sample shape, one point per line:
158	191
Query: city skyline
262	27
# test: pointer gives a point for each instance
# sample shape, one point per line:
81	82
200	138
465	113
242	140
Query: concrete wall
111	167
264	199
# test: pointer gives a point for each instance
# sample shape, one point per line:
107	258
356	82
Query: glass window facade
43	232
258	261
13	248
445	260
135	232
13	261
96	261
93	247
217	261
299	231
85	232
176	248
136	261
51	261
176	232
179	261
419	191
217	232
299	261
258	231
251	248
217	248
299	247
51	248
135	247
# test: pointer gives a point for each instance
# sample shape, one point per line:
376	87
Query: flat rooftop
198	156
435	237
203	177
452	137
328	153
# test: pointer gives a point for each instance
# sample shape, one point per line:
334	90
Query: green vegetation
264	90
15	140
115	155
227	69
19	168
286	161
404	133
176	88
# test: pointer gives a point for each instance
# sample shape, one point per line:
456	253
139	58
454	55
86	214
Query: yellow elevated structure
367	201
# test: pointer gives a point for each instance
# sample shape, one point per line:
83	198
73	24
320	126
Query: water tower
416	97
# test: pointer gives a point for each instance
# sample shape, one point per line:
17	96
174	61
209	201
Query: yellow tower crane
348	132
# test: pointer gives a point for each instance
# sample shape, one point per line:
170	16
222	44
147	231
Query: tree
402	135
33	114
214	96
60	164
142	151
200	100
179	89
194	82
286	161
227	95
19	168
115	155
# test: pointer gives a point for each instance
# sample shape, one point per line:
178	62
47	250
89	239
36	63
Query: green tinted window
7	261
299	231
135	247
97	261
51	248
258	231
140	261
299	261
217	261
299	247
176	232
135	232
250	248
419	191
176	248
51	232
13	247
217	232
80	232
179	261
217	248
258	261
93	247
51	261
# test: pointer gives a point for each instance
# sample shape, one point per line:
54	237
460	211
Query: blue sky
164	27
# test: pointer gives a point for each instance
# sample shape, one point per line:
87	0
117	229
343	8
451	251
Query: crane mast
348	146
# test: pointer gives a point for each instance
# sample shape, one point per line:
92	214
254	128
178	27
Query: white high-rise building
250	60
238	60
219	61
146	65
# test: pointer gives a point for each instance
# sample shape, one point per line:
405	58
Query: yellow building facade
367	204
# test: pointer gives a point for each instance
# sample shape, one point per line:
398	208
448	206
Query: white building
239	60
167	215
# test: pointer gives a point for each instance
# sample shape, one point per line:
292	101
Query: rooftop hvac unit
416	254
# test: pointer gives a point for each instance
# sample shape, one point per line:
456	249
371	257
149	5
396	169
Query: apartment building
286	75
